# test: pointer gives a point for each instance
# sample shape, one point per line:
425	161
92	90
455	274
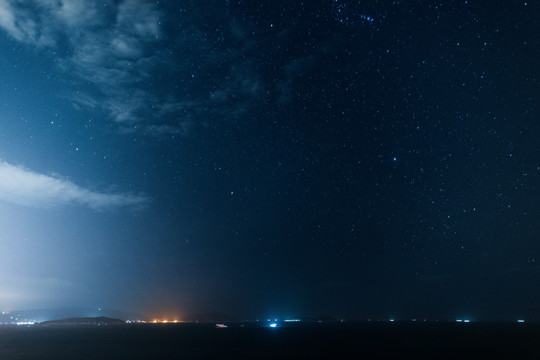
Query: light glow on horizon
165	321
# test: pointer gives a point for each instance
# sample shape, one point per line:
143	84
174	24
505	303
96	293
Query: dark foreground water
334	341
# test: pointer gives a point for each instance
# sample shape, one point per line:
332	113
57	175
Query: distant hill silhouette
41	315
101	320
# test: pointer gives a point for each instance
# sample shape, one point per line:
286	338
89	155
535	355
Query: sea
383	340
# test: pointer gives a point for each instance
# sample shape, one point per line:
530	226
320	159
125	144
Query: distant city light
273	325
392	320
521	321
164	321
292	320
459	320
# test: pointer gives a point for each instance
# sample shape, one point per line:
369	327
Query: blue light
273	325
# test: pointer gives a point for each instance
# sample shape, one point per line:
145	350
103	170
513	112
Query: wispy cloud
25	187
109	45
117	49
293	70
23	25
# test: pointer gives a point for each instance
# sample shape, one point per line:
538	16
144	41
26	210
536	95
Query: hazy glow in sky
349	158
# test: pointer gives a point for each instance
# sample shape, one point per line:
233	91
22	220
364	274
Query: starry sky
279	158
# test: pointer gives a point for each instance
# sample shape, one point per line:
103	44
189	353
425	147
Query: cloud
25	187
121	54
111	47
23	25
294	70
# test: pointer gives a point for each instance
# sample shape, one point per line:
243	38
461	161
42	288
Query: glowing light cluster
164	321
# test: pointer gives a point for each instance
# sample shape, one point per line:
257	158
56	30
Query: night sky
356	159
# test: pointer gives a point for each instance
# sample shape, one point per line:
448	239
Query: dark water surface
367	341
